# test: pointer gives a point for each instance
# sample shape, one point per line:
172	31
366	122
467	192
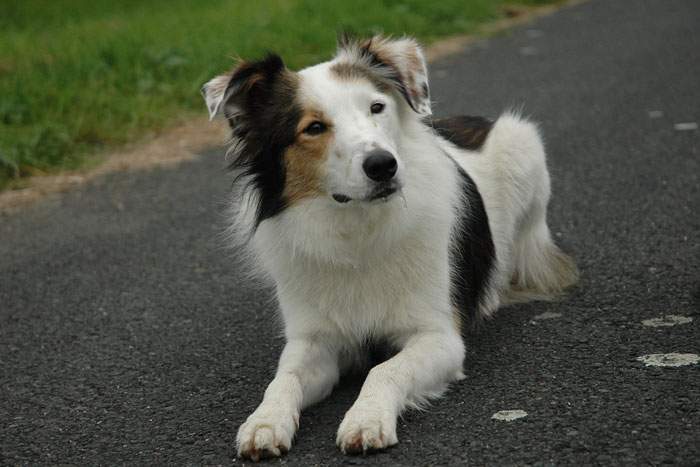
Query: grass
78	76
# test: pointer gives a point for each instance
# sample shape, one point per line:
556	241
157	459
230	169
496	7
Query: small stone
669	359
685	126
655	114
666	321
509	415
546	315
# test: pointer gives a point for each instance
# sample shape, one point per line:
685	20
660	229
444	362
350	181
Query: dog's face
330	131
359	124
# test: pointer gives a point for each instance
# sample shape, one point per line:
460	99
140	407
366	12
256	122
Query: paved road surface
126	335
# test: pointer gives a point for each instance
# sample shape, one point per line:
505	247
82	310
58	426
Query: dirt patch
180	143
186	141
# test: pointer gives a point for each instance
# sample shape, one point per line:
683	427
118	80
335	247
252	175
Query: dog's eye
315	128
377	108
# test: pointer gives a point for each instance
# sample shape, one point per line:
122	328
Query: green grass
78	76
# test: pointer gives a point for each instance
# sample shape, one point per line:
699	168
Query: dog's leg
307	372
422	369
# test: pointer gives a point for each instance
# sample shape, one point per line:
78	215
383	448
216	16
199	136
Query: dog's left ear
400	61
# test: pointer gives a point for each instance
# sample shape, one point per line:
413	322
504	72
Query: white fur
348	273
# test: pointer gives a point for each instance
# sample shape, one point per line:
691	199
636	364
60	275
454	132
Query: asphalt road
127	335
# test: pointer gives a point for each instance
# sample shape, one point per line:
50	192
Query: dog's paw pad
358	435
263	437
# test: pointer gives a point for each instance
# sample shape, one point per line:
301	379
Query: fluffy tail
542	271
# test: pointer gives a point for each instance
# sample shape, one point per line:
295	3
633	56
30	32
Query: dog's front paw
366	427
266	433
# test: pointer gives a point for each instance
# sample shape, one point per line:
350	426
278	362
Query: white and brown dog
378	223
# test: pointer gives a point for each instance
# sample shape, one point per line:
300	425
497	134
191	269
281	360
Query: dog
378	223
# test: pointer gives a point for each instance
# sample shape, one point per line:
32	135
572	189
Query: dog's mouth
382	192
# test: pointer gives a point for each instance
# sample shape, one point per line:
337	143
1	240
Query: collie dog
378	224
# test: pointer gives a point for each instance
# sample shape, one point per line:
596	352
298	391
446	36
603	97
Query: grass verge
80	76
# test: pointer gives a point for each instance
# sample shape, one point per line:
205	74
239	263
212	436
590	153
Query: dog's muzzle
380	166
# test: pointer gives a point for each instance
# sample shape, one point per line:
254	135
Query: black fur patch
464	131
472	252
264	92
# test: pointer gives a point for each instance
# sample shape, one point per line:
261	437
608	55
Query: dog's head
331	131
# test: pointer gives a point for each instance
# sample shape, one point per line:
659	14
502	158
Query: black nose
379	165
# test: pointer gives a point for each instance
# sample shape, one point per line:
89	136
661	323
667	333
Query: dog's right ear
213	92
231	93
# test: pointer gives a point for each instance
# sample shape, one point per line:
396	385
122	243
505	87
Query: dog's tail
542	270
537	269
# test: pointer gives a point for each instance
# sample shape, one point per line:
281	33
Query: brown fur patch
349	70
304	158
353	71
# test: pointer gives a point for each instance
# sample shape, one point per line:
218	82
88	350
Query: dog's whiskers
401	195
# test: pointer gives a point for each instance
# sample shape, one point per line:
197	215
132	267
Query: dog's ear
213	92
400	61
232	93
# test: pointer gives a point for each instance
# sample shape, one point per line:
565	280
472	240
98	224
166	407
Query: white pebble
669	359
546	315
668	320
509	415
685	126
